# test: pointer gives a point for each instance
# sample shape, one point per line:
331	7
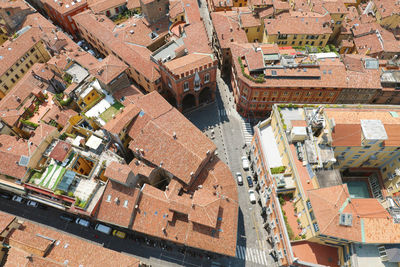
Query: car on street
252	196
32	203
249	181
119	234
245	163
18	199
5	196
66	217
103	228
239	178
82	222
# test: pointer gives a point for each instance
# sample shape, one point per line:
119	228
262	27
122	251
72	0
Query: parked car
249	181
32	203
239	178
66	217
119	234
252	196
5	196
18	199
82	222
245	163
102	228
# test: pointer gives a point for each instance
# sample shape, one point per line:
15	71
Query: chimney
174	135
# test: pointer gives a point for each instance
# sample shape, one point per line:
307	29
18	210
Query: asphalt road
220	122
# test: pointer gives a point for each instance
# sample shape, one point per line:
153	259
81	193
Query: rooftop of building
11	151
99	6
108	69
387	8
316	253
303	25
189	63
115	41
370	222
60	249
248	20
66	6
290	70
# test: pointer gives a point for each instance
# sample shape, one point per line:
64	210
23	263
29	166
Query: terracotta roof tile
132	4
254	60
10	52
122	119
227	27
188	63
112	205
139	167
108	69
200	44
103	5
65	6
128	95
5	220
248	20
41	132
66	248
316	253
118	172
60	151
11	150
296	25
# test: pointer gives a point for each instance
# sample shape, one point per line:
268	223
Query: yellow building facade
24	60
297	39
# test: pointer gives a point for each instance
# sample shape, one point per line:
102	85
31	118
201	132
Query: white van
102	228
82	222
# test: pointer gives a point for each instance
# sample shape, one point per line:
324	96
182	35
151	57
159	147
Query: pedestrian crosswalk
247	132
252	254
223	112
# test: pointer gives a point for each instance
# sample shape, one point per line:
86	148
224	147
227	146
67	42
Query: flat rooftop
270	148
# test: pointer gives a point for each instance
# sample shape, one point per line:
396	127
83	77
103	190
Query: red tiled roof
122	119
227	27
5	220
41	132
108	69
102	5
248	20
118	172
60	151
114	210
316	253
189	62
130	94
66	248
11	150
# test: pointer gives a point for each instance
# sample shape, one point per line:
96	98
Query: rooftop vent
116	200
174	135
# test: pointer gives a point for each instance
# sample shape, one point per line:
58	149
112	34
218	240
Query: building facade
61	13
190	80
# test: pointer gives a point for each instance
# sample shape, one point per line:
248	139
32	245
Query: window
36	56
169	83
316	228
196	84
186	86
309	205
30	61
206	78
22	71
5	86
117	10
16	76
301	42
32	50
12	79
320	43
338	22
69	18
